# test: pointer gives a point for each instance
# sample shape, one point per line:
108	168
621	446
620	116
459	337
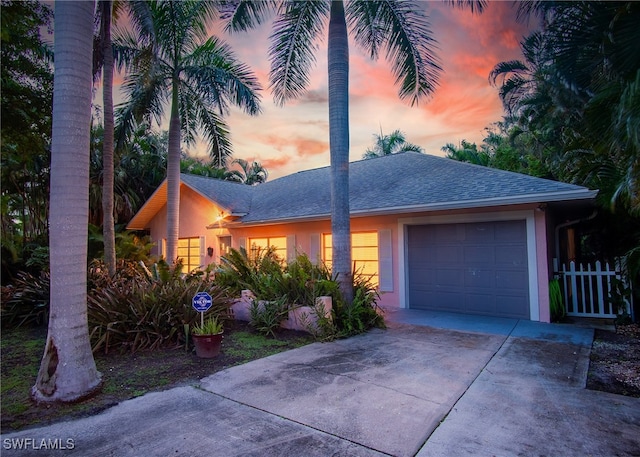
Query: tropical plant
399	28
467	152
171	58
147	309
27	93
577	92
259	270
266	315
556	302
211	326
249	173
68	371
394	143
26	301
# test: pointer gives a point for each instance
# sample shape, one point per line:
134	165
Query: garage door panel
479	303
512	255
444	300
479	278
443	235
512	280
511	233
476	268
479	255
449	278
447	254
507	306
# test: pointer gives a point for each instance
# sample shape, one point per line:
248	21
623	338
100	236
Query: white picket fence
586	291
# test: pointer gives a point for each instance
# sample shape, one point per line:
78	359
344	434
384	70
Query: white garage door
475	268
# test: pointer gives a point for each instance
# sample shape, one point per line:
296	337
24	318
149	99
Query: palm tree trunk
68	371
173	177
108	223
339	146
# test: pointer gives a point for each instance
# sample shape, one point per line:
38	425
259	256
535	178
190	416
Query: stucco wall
197	213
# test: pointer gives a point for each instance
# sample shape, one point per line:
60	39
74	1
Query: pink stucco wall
543	264
197	213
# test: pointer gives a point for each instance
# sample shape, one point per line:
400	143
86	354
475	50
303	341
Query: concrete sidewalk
403	391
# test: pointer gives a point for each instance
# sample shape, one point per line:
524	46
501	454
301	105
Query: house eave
577	195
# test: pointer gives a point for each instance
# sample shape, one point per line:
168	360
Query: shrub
266	315
278	288
556	302
26	301
148	309
363	313
260	271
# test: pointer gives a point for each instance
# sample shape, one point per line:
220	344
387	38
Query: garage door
475	268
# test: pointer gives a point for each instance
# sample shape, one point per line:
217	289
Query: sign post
202	302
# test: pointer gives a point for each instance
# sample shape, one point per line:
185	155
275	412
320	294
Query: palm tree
467	152
106	13
68	371
171	61
399	28
394	143
250	173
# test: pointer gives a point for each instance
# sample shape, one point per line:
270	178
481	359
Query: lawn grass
124	375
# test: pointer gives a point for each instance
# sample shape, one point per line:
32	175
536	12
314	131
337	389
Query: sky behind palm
296	137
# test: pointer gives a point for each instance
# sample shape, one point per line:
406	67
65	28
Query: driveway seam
506	337
292	421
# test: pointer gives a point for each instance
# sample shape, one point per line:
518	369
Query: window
224	245
189	253
364	253
279	243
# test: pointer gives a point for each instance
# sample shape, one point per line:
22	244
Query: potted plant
207	338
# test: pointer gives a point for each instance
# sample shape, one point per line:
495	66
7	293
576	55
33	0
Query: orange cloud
301	146
276	163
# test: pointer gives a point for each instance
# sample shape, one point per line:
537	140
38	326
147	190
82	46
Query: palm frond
214	69
410	48
293	44
146	95
368	33
475	6
242	15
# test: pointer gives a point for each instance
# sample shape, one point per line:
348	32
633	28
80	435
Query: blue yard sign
202	302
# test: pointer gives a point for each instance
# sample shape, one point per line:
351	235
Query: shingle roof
232	196
404	182
398	183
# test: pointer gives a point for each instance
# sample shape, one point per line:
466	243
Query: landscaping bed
125	375
615	361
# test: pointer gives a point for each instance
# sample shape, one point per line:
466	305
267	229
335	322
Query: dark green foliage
303	281
147	309
267	315
279	288
26	301
26	102
362	314
138	308
260	271
556	302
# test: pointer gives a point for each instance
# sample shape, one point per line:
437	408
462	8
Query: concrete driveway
513	389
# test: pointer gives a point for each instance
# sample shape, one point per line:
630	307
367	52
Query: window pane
189	253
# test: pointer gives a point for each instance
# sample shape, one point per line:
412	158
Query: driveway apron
386	390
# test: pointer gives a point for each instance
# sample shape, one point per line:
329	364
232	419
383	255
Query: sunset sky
295	137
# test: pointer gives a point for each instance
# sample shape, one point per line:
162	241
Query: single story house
433	233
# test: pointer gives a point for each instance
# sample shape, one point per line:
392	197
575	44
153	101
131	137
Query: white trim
203	253
532	257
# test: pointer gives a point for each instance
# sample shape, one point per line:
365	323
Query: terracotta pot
207	346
